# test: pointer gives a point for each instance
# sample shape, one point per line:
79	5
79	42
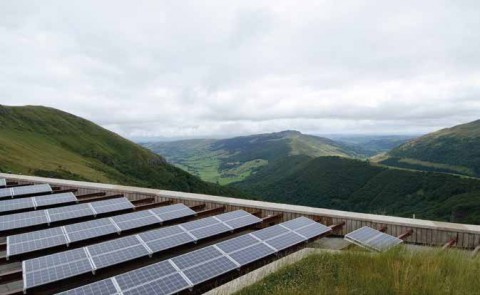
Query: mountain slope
234	159
452	150
47	142
353	185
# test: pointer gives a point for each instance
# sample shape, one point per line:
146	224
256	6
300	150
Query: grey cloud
210	68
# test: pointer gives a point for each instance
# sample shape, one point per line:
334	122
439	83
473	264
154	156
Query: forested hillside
47	142
451	150
353	185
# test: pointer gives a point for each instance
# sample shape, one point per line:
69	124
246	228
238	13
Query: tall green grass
393	272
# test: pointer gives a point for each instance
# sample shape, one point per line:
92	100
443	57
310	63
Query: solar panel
53	199
234	244
232	215
55	267
116	204
372	239
5	192
252	253
69	212
313	230
117	251
298	223
243	221
196	257
3	182
104	287
32	241
21	220
90	229
270	232
35	202
284	241
215	229
209	270
187	270
30	189
16	204
24	243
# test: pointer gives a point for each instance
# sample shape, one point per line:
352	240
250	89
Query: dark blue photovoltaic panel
161	286
160	233
169	242
120	255
32	241
373	239
51	268
234	244
54	199
232	215
252	253
5	193
145	274
212	230
69	212
104	287
196	257
298	223
21	220
243	221
89	229
270	232
314	230
192	225
209	270
16	204
31	189
285	241
112	205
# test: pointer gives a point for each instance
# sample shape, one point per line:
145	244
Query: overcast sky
222	68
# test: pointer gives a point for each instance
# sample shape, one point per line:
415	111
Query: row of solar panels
19	191
82	231
3	182
28	219
186	271
55	267
33	203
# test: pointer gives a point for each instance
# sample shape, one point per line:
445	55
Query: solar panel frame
285	241
106	206
54	199
16	204
313	230
22	220
252	253
209	269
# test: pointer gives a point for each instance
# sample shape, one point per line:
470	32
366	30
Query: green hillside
234	159
354	185
43	141
451	150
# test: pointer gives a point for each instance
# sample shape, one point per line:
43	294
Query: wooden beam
93	199
91	195
476	251
405	234
211	211
337	227
450	243
151	205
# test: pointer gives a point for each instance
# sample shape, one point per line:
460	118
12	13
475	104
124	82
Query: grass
394	272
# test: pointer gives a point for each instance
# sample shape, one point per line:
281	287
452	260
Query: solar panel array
36	202
185	271
51	268
3	182
26	190
27	219
372	239
56	236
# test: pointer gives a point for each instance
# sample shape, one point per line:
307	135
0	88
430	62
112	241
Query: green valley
231	160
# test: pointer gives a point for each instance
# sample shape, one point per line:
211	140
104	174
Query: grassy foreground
394	272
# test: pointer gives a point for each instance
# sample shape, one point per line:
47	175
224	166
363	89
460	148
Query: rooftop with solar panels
69	237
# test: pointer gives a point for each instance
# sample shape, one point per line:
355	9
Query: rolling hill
230	160
451	150
47	142
354	185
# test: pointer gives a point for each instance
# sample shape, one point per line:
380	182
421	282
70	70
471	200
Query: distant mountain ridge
234	159
451	150
47	142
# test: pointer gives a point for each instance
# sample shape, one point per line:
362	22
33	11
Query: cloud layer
219	68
